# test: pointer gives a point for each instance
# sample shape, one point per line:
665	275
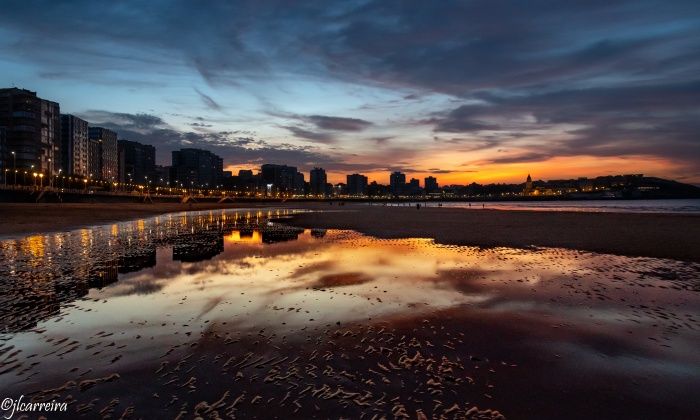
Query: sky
466	91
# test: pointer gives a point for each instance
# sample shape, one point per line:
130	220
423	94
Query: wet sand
21	219
205	316
648	235
674	236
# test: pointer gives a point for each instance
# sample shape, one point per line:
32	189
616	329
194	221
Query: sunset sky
484	91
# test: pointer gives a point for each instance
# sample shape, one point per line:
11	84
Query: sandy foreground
213	315
648	235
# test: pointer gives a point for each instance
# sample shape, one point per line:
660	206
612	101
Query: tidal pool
225	313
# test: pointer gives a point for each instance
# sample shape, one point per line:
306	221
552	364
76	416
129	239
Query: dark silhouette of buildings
32	130
108	155
431	185
94	158
4	153
137	162
377	190
356	185
281	178
196	168
161	174
413	187
245	182
318	181
397	183
74	145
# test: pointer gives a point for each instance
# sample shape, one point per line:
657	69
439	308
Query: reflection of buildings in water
201	247
62	268
137	259
318	233
279	236
104	274
25	307
246	232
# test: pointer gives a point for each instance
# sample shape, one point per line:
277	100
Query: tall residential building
356	185
431	185
32	130
109	155
94	166
282	178
413	187
397	183
299	183
162	175
74	145
318	181
5	168
137	162
196	168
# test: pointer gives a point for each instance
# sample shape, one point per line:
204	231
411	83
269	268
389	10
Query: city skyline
460	91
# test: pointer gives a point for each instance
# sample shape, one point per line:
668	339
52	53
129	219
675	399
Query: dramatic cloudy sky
482	91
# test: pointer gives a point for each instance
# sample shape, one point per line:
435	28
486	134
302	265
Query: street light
14	165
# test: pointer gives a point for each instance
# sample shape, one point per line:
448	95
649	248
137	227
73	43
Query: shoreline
18	220
656	235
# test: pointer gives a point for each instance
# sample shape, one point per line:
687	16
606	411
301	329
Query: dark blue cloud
624	73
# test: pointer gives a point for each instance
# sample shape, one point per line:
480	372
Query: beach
674	236
21	219
671	236
217	314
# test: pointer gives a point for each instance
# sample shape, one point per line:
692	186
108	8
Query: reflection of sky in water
246	276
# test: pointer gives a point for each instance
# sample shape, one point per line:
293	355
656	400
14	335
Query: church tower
528	185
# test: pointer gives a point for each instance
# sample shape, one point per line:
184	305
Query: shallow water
223	312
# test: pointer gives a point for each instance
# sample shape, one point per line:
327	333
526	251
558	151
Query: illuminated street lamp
14	165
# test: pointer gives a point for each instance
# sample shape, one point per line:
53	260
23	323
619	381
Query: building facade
356	185
318	181
137	162
109	154
431	185
74	145
5	168
32	130
196	168
397	183
280	178
413	187
94	159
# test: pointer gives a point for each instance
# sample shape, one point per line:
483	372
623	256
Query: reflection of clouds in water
519	300
341	279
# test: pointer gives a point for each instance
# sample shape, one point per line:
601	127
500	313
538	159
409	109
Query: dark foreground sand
205	316
647	235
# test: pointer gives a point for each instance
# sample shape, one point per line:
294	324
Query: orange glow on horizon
554	168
